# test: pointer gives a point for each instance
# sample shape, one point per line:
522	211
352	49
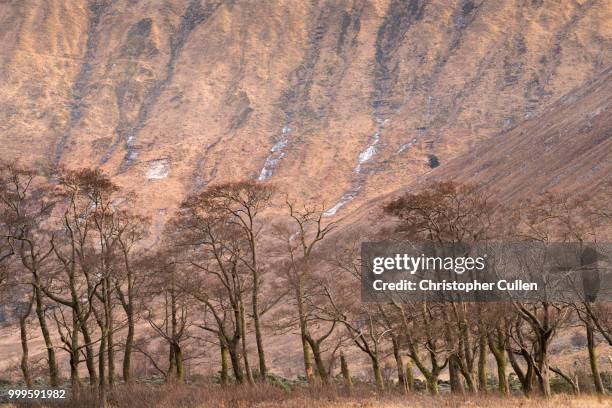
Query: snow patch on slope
158	169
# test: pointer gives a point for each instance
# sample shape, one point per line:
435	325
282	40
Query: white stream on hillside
406	146
276	155
365	156
345	199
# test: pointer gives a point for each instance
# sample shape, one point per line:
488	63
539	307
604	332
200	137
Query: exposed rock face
337	101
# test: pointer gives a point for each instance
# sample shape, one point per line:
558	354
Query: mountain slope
566	149
335	101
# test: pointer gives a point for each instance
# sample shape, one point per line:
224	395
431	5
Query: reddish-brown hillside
565	149
335	101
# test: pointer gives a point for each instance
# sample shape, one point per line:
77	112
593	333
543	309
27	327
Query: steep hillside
337	101
566	149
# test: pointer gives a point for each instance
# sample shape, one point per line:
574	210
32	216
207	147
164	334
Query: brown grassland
173	395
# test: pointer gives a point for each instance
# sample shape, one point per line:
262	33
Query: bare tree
169	311
364	324
300	236
26	208
214	246
243	202
453	215
238	205
497	340
547	220
92	223
129	280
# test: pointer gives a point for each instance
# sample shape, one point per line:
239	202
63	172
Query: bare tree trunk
499	353
502	379
108	316
42	321
467	374
75	381
103	323
234	353
127	353
245	356
377	373
74	370
409	376
23	332
348	381
308	369
180	365
464	358
321	371
263	370
89	355
482	363
431	376
102	369
454	375
171	363
224	365
401	374
127	302
111	356
525	377
234	343
543	373
432	384
599	388
129	345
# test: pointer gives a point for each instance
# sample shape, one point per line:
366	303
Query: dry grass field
171	396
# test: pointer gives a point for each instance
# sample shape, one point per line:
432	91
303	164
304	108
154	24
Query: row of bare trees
71	246
240	262
457	335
